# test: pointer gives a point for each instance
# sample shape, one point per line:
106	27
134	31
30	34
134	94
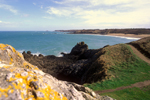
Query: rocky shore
20	80
83	65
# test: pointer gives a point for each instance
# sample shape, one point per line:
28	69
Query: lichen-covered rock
19	80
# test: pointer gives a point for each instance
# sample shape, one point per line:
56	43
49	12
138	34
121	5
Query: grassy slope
131	94
124	67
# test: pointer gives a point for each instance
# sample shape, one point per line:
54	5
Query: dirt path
139	85
139	54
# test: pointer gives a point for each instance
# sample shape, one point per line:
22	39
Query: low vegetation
143	45
131	94
123	67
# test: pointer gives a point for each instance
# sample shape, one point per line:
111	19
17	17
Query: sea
53	43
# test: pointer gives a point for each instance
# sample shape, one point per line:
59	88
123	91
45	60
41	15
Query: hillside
143	45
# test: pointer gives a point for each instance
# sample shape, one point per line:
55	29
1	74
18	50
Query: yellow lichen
29	66
11	61
6	66
5	91
19	54
13	49
47	91
11	91
2	46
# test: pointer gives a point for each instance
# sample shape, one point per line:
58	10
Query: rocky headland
83	65
20	80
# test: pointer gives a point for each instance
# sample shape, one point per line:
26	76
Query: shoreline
128	35
122	35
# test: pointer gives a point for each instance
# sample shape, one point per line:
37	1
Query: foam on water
21	51
37	53
132	38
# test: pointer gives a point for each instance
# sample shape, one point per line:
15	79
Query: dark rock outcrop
70	67
49	64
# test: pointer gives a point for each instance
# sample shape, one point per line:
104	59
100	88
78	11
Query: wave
37	53
60	55
21	51
131	38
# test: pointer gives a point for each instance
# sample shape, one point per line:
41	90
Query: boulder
20	80
79	48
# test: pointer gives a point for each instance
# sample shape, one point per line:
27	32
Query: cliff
20	80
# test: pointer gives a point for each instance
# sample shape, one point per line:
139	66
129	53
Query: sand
128	35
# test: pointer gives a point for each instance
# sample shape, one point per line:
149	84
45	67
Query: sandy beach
128	35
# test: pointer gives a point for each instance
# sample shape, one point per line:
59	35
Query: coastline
128	35
122	35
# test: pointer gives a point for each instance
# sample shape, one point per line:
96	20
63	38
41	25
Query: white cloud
107	12
8	7
5	23
41	7
34	3
95	2
48	17
59	12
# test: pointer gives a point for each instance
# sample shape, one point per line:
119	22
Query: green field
131	94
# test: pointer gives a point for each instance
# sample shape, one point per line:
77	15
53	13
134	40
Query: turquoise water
52	43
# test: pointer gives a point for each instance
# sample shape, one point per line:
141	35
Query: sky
41	15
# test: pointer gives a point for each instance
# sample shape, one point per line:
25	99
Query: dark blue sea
53	43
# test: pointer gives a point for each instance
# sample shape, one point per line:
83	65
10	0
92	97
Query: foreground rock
19	80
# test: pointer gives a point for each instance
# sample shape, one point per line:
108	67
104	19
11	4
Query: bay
53	43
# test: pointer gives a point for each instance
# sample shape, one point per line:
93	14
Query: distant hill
136	31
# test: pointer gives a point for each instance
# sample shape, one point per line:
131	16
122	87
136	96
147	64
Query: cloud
106	12
3	23
34	3
48	17
8	7
59	11
94	2
41	7
25	15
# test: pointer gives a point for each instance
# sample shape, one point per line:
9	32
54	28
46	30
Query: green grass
130	71
130	94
